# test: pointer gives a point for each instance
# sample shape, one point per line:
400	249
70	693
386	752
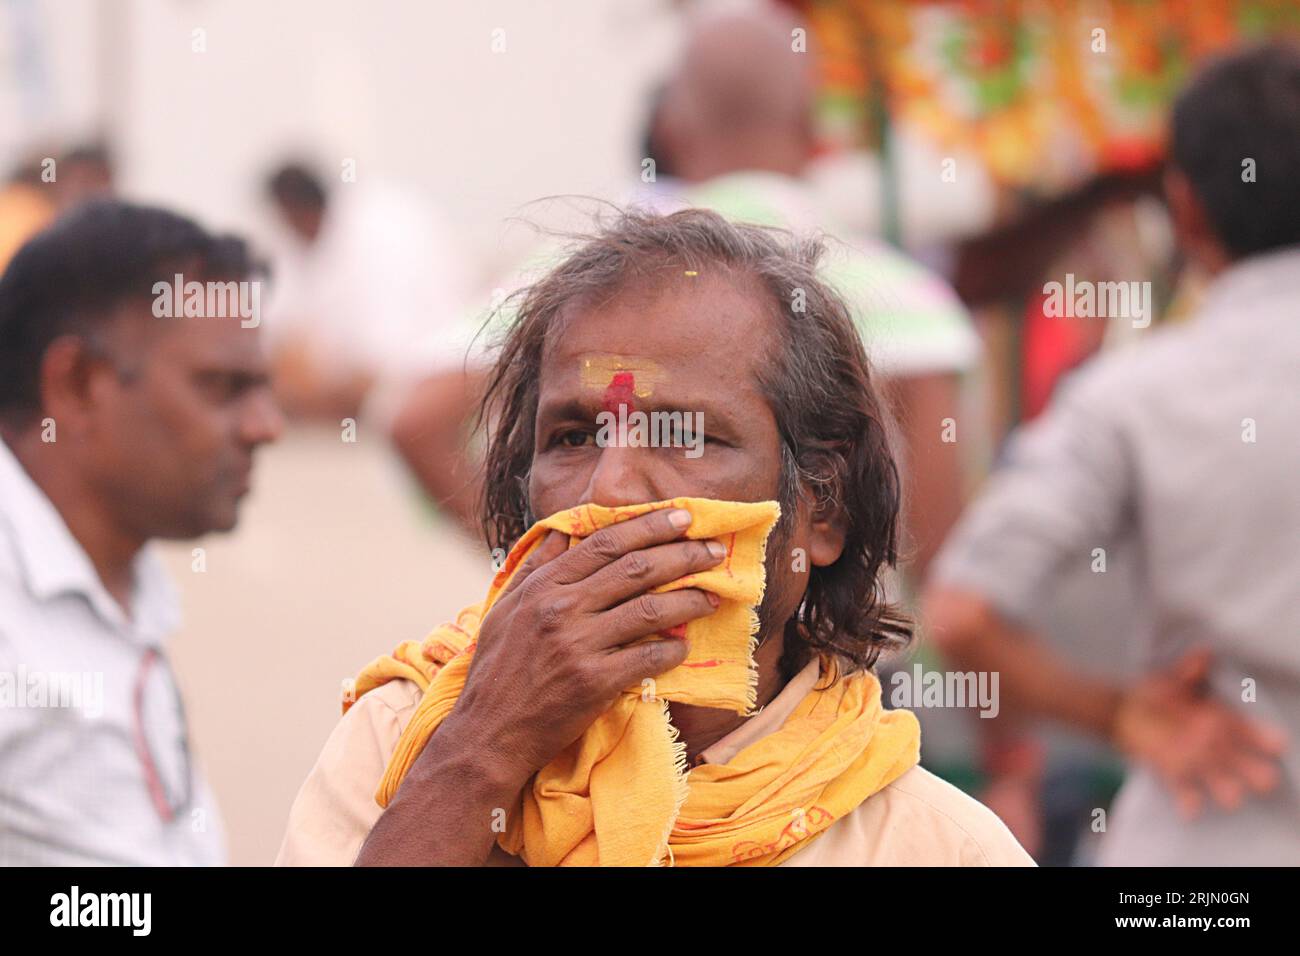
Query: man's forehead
223	339
643	375
663	332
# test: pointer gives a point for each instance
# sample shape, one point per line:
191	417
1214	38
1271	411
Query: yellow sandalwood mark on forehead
600	371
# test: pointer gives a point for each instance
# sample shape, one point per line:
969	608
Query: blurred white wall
49	89
412	91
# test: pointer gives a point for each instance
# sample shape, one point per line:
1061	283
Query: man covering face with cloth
674	664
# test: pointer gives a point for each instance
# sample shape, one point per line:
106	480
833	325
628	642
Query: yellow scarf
621	794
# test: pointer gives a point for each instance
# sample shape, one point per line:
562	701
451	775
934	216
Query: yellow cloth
621	794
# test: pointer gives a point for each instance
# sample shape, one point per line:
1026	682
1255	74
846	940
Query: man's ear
1192	224
826	535
67	371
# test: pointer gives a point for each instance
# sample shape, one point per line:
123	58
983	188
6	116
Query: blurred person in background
1189	442
367	272
121	424
736	127
42	186
85	172
27	205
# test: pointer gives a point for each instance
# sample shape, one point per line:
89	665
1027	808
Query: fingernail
679	518
716	548
713	598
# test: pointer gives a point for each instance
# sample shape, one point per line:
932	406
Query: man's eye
574	438
225	386
219	387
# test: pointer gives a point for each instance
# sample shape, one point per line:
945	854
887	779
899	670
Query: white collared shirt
74	784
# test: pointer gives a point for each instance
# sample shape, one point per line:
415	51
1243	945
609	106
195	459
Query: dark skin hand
569	635
582	608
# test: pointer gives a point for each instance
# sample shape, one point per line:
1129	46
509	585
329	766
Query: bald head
740	98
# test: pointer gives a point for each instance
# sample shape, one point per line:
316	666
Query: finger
609	544
1258	735
1258	774
639	571
652	614
1225	789
552	546
629	666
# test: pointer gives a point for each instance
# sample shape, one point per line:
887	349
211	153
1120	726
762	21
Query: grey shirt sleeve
1063	489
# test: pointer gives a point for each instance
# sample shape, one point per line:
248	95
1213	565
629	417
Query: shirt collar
768	720
1265	275
54	563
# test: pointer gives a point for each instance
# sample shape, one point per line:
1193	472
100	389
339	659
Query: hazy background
412	91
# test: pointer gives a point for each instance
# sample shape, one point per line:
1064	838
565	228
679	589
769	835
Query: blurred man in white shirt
126	415
367	274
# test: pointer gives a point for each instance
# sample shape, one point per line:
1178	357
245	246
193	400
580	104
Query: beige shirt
918	820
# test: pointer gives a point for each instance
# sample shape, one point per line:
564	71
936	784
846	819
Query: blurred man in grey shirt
1190	445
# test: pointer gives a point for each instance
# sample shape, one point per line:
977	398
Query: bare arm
304	391
934	480
1195	743
430	432
1033	680
443	813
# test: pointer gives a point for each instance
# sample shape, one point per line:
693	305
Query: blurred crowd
1099	506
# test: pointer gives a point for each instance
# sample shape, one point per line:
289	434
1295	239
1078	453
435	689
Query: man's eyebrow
587	407
570	408
244	377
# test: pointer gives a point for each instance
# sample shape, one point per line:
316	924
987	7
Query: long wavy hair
834	427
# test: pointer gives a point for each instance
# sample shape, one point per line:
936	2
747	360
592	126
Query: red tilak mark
621	391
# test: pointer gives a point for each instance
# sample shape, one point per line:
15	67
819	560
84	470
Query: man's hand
1196	744
553	654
